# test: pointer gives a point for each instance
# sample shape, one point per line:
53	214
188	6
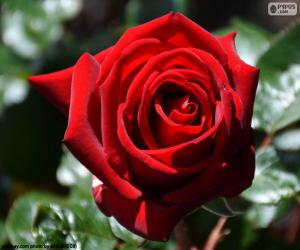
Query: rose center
180	107
186	105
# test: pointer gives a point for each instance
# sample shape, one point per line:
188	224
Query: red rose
162	119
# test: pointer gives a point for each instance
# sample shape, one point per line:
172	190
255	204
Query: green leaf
68	224
128	246
251	40
220	207
19	66
260	216
21	216
284	49
122	233
3	236
73	174
41	218
290	115
248	236
278	95
288	140
271	183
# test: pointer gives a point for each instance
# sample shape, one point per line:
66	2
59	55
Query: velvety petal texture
162	120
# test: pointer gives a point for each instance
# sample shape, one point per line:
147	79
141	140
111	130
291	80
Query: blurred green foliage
34	36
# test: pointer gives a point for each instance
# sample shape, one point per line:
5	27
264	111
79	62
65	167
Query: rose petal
190	154
146	218
168	78
173	29
228	182
240	174
80	138
56	86
164	61
245	77
149	162
149	172
169	133
120	77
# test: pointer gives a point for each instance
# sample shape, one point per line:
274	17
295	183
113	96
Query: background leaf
21	216
279	87
271	182
39	218
261	215
3	236
220	207
122	233
251	41
288	140
73	174
35	24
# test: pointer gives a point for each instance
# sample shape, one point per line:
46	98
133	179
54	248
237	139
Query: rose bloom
162	119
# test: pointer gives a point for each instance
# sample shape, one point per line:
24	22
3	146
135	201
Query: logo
282	9
273	9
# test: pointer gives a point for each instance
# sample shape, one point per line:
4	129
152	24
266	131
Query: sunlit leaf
277	99
73	174
21	216
41	218
291	113
122	233
288	140
261	215
272	182
71	224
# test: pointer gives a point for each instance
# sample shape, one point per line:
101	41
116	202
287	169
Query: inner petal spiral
182	109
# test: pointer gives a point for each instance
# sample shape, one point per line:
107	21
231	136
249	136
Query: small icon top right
282	9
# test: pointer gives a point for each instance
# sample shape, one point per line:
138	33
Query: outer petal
146	218
56	86
81	138
174	29
241	172
245	77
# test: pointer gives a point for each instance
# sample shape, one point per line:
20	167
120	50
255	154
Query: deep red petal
174	29
80	137
245	77
115	87
146	218
241	172
56	86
